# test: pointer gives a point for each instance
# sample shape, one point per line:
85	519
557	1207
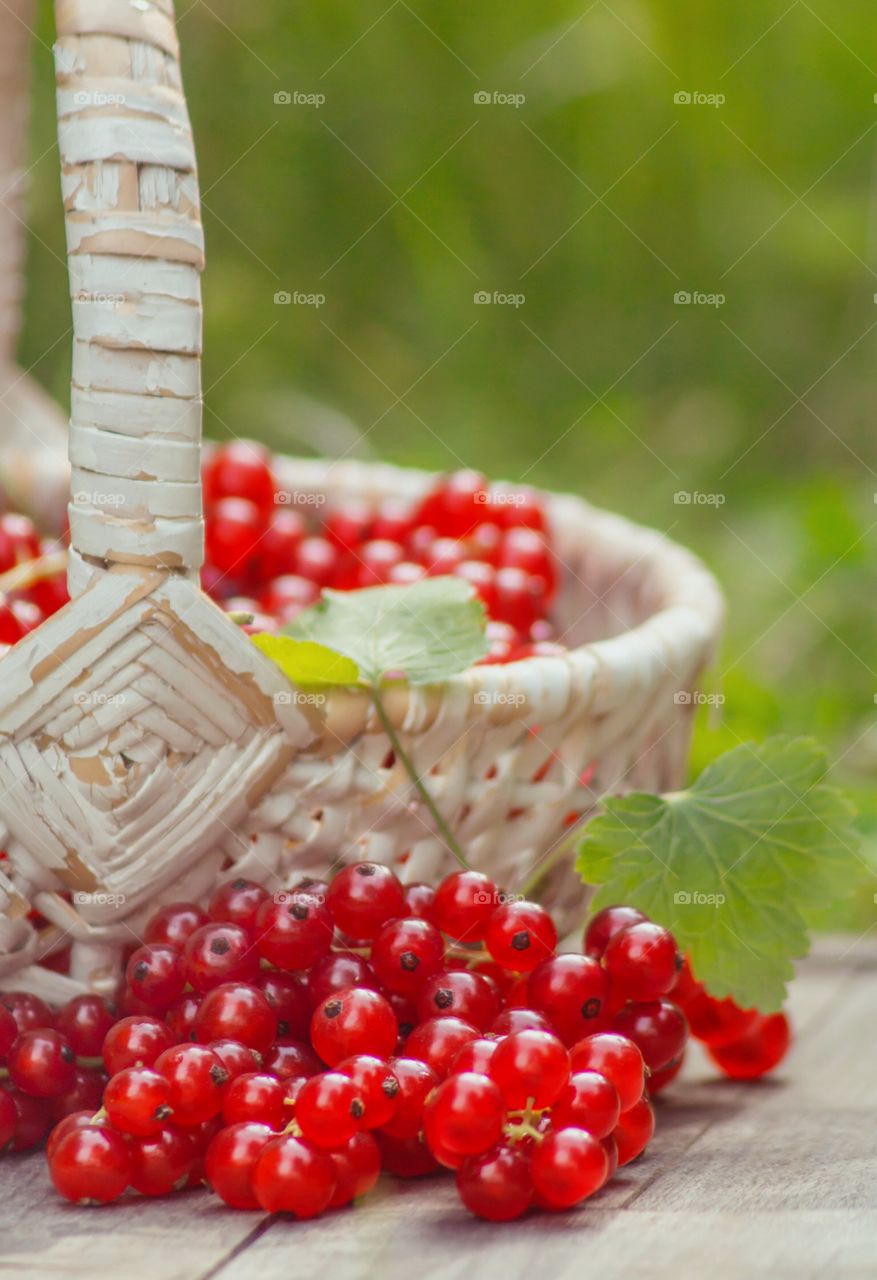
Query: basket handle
134	252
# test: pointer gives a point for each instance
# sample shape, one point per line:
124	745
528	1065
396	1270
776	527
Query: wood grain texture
774	1180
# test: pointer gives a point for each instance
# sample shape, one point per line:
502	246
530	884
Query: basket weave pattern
145	745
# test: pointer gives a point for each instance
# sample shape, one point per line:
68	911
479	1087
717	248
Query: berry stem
402	754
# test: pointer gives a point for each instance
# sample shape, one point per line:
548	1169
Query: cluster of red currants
23	609
263	556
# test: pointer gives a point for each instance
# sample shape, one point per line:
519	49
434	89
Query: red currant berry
475	1056
238	1059
759	1050
256	1096
642	961
85	1021
218	953
657	1027
87	1091
568	1166
32	1121
464	902
363	897
287	596
352	1022
237	902
571	991
30	1012
531	1069
292	1060
336	972
135	1042
416	1080
162	1162
288	997
236	1011
8	1119
156	976
659	1080
419	901
520	935
181	1016
481	578
138	1100
241	468
293	931
357	1169
717	1022
42	1063
634	1130
293	1176
513	1020
231	1159
464	1116
588	1102
329	1109
196	1077
318	561
406	953
461	994
75	1120
686	986
520	597
602	927
175	924
496	1185
279	543
406	1157
231	534
616	1058
438	1041
91	1165
376	1085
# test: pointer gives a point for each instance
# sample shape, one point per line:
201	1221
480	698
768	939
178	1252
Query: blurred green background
585	186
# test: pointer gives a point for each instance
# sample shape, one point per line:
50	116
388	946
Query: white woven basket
145	745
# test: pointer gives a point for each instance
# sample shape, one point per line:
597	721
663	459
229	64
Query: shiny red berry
351	1022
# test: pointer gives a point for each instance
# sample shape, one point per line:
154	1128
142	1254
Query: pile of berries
25	608
264	556
286	1048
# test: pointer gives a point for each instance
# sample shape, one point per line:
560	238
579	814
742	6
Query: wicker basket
145	744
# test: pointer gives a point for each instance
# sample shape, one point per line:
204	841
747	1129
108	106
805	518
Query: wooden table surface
775	1180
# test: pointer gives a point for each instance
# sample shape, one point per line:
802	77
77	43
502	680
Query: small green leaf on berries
306	663
733	864
426	632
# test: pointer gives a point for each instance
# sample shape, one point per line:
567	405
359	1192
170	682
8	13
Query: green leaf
426	631
304	662
733	864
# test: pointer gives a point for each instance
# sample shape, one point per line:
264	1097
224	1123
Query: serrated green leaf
732	865
427	631
305	662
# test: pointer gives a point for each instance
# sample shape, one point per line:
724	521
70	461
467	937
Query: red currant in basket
91	1165
352	1022
41	1063
293	931
405	953
567	1166
231	535
461	994
520	935
138	1100
363	897
240	469
761	1048
602	927
293	1176
8	1031
156	976
496	1185
237	902
85	1021
218	953
531	1069
236	1011
335	972
135	1042
279	544
29	1012
589	1102
616	1058
464	902
288	997
634	1130
329	1109
231	1159
642	961
572	991
464	1116
175	923
657	1027
196	1077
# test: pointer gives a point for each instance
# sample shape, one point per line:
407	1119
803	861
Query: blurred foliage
598	198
